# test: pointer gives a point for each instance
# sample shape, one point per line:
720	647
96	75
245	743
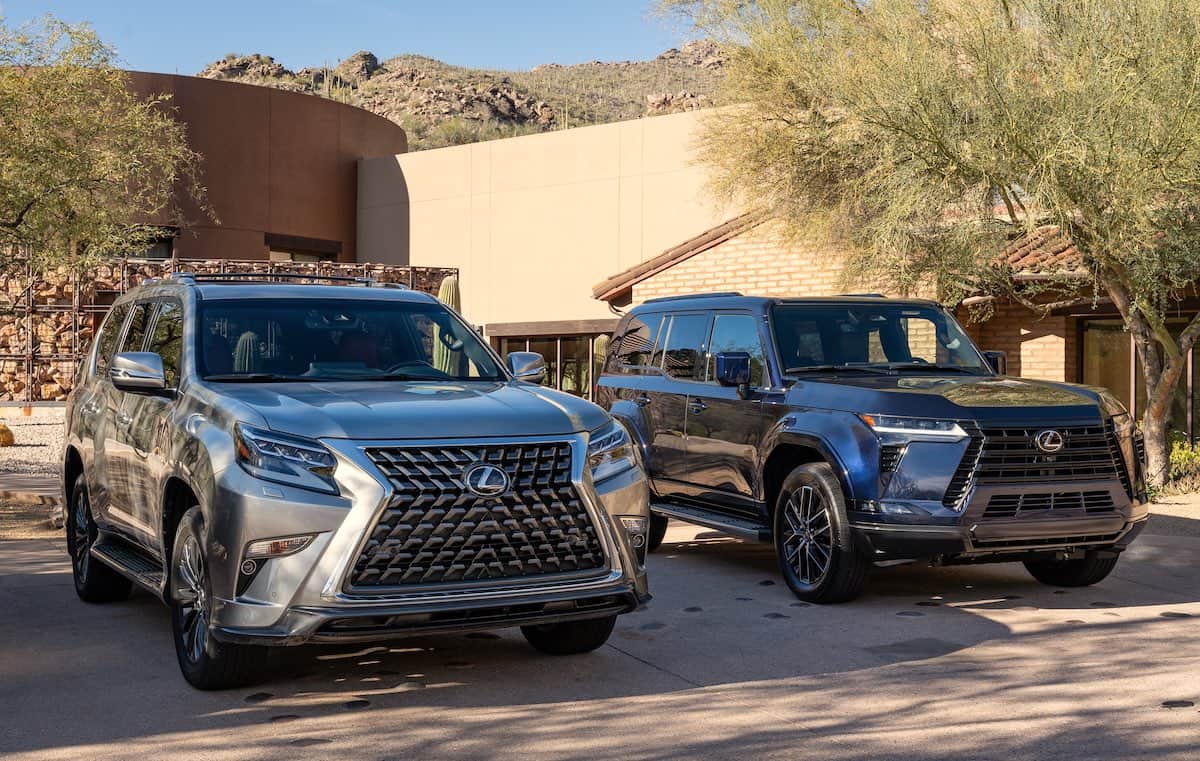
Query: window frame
625	367
158	307
97	367
768	377
701	353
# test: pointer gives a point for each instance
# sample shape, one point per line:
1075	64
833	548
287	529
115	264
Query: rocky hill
439	104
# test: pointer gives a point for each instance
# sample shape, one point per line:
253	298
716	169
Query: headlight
908	428
287	459
610	451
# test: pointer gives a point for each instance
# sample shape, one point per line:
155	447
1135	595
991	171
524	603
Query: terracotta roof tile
623	281
1043	251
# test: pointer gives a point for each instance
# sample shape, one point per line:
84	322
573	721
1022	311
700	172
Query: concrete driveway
957	663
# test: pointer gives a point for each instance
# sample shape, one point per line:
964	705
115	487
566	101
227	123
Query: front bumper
905	530
304	597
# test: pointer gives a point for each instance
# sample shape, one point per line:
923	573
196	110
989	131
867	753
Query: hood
398	410
977	397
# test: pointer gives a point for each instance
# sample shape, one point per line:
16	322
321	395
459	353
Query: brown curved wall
274	162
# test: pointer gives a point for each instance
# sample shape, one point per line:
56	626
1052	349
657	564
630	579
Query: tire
817	556
570	637
658	532
1091	569
206	663
94	581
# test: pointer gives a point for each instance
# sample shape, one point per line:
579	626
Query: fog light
273	548
249	567
637	528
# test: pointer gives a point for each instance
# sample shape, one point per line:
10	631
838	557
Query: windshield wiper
929	366
256	378
402	377
828	368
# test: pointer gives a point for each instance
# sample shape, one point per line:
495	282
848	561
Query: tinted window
109	333
167	339
736	332
884	334
637	342
139	321
684	346
339	340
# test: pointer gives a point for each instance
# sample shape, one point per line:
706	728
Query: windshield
338	340
884	337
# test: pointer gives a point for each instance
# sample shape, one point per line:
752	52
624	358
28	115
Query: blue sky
183	35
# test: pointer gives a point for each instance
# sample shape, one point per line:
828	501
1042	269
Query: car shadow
722	619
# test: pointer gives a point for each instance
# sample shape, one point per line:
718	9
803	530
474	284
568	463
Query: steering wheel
419	365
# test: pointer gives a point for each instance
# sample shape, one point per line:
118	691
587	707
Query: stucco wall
533	222
274	162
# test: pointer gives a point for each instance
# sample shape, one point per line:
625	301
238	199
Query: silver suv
287	463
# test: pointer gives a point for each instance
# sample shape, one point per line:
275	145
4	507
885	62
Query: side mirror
138	371
527	366
733	369
998	360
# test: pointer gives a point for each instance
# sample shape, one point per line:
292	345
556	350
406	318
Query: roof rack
267	277
716	295
863	295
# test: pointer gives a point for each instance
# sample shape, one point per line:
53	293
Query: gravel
39	440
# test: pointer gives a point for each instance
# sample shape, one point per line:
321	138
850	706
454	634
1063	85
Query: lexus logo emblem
485	480
1049	441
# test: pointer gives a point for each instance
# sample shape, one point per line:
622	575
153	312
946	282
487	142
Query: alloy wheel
808	539
191	595
82	534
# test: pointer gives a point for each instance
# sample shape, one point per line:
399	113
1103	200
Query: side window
684	346
110	331
637	343
736	332
139	321
167	339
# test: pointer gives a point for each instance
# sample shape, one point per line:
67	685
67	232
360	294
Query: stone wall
47	321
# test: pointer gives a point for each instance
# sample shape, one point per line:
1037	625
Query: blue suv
857	430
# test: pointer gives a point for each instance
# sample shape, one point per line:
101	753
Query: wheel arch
177	497
791	450
72	472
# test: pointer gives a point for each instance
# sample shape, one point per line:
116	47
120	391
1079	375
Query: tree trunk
1158	449
1160	392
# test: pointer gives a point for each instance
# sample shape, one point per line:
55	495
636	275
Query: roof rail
716	295
261	277
863	295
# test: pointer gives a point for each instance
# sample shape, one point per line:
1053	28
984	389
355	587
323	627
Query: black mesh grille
1009	454
1017	505
434	530
889	457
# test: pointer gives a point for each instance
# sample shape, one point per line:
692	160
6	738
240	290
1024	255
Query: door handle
697	405
124	419
641	400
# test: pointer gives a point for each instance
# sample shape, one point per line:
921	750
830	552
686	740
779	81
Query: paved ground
933	664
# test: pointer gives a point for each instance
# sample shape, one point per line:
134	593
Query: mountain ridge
440	104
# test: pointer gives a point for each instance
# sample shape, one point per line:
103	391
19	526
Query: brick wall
760	262
763	262
1044	348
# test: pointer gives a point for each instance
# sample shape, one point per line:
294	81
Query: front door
724	431
117	463
140	439
98	403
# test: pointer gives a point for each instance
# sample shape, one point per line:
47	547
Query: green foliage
87	170
928	134
1185	460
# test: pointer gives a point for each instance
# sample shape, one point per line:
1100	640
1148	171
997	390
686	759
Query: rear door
678	358
95	409
724	431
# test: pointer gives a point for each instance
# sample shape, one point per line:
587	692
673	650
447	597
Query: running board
742	528
130	562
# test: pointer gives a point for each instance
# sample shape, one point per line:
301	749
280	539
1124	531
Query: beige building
555	233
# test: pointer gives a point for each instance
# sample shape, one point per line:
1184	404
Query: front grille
961	481
1015	505
434	530
1047	542
1009	454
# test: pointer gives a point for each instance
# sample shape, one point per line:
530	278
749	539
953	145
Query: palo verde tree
927	134
85	164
